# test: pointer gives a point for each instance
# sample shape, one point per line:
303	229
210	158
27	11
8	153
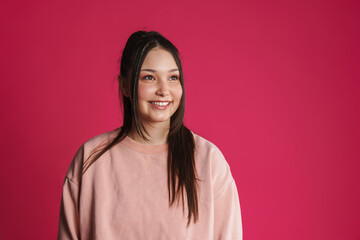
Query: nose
162	88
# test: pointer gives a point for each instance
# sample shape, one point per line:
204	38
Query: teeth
161	103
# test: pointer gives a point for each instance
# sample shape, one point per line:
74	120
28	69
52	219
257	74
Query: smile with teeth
161	103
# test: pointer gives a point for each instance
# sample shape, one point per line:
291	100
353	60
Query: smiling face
159	91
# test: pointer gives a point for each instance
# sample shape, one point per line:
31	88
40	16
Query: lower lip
161	107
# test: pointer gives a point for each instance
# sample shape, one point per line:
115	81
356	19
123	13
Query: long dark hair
181	146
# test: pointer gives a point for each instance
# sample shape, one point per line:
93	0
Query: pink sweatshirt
124	195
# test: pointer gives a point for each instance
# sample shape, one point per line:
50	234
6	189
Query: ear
124	88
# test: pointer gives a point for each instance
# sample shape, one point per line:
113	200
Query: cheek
178	92
144	92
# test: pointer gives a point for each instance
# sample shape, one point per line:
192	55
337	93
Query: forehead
159	59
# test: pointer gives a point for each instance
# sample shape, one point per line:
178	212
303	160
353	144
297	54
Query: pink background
274	84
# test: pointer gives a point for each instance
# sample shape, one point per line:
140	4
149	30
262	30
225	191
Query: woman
152	178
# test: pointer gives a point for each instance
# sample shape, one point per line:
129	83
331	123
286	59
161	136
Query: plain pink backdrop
274	84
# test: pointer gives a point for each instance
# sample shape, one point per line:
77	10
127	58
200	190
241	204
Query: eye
148	77
174	78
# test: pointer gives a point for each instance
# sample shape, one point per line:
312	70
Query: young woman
152	178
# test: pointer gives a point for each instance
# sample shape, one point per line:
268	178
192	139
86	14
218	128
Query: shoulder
98	140
206	147
203	144
209	156
84	151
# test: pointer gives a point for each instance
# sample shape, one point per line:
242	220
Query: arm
69	227
227	214
69	215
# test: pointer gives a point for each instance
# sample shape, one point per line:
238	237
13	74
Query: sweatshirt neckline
143	148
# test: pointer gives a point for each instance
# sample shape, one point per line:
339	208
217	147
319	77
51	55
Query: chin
160	120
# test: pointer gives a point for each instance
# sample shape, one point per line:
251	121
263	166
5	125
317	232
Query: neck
157	133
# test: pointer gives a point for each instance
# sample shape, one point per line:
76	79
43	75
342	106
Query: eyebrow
152	70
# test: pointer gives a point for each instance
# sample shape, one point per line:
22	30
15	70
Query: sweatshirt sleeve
227	214
69	227
69	217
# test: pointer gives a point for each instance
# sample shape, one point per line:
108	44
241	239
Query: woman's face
160	89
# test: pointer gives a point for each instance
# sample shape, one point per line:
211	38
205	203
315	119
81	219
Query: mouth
162	104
